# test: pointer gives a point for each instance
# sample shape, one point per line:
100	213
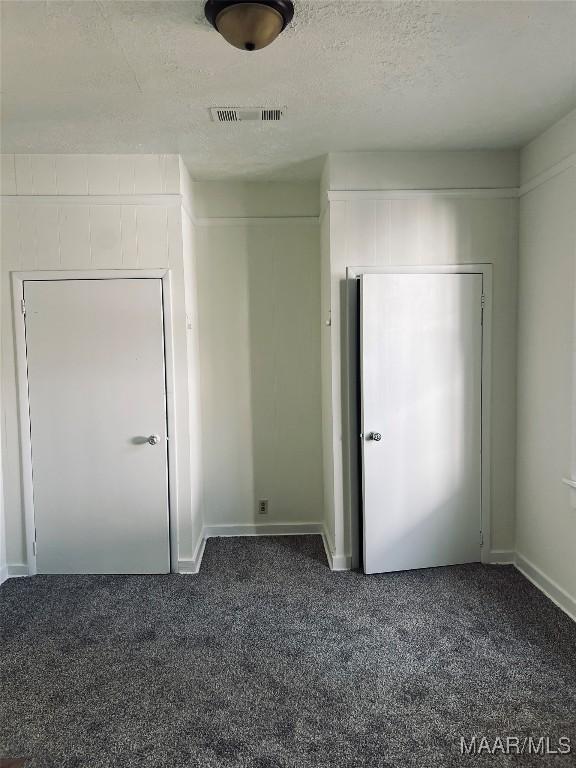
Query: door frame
352	464
18	280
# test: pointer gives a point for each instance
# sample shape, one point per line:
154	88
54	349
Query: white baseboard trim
193	565
499	557
336	562
548	586
13	571
246	529
263	529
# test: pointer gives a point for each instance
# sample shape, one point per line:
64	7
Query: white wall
258	269
92	212
249	200
383	227
421	170
546	509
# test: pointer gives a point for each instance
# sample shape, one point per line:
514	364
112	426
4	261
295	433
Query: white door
95	353
421	360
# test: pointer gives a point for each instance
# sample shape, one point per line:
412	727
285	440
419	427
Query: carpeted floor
266	659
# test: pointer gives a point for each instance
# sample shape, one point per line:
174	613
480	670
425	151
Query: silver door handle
375	436
154	439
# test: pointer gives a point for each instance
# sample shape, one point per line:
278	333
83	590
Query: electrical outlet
263	507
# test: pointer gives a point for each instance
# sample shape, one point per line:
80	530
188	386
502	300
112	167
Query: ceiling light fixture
249	24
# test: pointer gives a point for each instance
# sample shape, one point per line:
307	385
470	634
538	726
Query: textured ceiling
138	76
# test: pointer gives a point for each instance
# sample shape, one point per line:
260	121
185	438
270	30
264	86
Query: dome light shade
249	24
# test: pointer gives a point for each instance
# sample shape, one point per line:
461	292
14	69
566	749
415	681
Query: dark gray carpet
269	660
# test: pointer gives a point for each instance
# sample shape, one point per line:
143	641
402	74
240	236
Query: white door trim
18	279
351	341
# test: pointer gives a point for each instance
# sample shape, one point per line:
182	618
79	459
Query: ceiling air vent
247	114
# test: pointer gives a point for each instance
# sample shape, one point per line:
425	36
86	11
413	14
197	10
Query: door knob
375	436
154	439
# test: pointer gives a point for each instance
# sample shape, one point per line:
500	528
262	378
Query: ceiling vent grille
226	115
271	114
247	114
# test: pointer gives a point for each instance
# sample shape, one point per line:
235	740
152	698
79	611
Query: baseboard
263	529
336	562
13	571
257	529
193	565
548	586
499	557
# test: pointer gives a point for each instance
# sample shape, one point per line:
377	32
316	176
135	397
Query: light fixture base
249	24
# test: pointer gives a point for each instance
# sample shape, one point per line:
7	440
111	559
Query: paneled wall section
87	213
89	174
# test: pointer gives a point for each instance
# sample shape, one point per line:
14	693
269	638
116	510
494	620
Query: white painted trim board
547	175
13	571
233	221
168	200
192	565
225	530
553	591
336	562
500	557
262	529
400	194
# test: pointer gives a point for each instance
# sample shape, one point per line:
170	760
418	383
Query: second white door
421	358
96	381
